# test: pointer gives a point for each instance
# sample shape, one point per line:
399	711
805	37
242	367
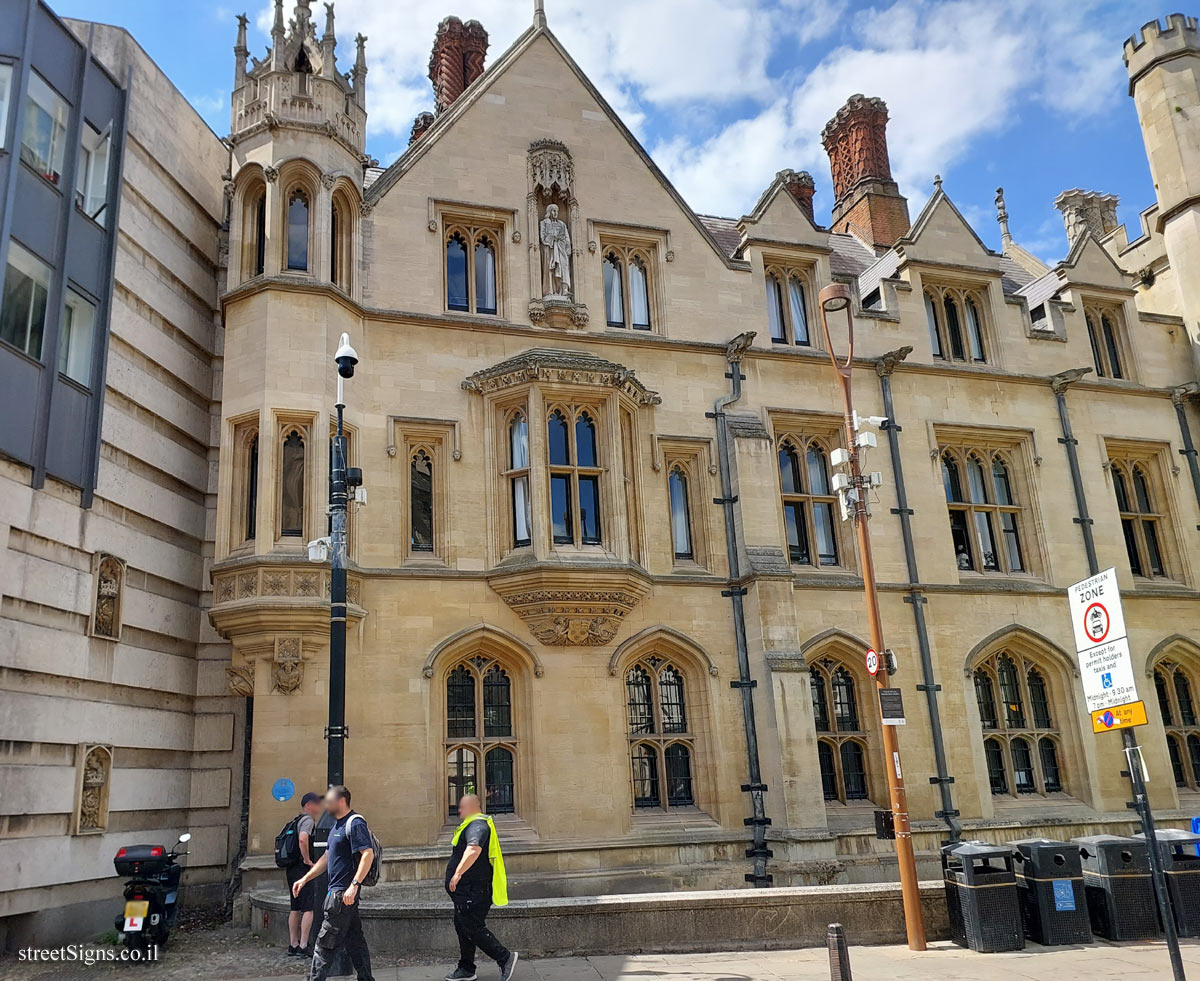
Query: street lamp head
834	297
346	358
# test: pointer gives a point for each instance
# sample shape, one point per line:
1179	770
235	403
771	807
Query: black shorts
304	902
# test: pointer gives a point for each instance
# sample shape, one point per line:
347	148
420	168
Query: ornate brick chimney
1087	211
801	187
866	199
423	121
457	59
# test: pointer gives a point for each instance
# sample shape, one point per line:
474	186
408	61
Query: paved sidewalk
942	962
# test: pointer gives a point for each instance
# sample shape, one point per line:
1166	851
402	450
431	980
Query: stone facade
592	424
118	726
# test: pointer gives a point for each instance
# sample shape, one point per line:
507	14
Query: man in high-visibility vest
475	880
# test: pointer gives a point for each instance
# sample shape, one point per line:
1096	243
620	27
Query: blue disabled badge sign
1064	896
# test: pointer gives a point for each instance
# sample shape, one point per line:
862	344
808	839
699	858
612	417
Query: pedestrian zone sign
1105	665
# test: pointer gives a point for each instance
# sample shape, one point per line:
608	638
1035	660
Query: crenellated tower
298	133
1164	80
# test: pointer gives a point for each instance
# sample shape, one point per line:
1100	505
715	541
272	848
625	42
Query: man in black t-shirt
469	883
348	856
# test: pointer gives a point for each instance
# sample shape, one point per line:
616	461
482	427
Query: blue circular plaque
283	789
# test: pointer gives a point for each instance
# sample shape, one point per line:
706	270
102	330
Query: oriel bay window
1142	519
1173	685
788	306
573	456
955	321
985	514
292	478
471	269
1020	738
808	502
660	740
480	735
517	476
841	738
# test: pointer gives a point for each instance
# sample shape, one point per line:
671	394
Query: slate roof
724	230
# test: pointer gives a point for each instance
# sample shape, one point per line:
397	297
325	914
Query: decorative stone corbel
1064	379
271	174
287	672
886	364
240	678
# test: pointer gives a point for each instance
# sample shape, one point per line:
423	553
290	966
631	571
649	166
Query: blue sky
1028	94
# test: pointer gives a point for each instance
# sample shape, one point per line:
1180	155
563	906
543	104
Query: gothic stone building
595	424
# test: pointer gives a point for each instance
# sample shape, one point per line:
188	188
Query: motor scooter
150	893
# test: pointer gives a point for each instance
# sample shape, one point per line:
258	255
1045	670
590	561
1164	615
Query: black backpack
372	876
287	844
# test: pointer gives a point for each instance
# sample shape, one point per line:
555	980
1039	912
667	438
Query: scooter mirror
185	837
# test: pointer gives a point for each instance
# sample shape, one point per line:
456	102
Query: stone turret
297	86
867	201
1164	80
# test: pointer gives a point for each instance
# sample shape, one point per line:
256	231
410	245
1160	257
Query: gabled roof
925	218
1038	291
476	90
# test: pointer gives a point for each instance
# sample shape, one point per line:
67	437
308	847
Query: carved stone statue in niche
556	254
92	809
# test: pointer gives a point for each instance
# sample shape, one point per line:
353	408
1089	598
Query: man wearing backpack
475	880
300	858
349	858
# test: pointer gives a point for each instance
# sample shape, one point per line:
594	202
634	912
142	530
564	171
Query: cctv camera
346	357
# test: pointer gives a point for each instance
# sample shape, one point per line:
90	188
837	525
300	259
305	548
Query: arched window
660	735
518	480
1105	336
1140	519
297	230
341	232
480	725
251	484
787	306
485	274
254	231
421	501
985	515
473	269
573	455
291	486
628	290
1174	683
841	736
808	504
614	291
1021	741
956	325
681	521
457	294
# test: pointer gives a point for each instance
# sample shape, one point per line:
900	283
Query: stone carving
224	589
550	167
537	313
328	180
287	673
365	208
556	254
275	583
91	813
1060	382
566	367
271	174
579	316
736	349
247	584
576	631
240	679
110	583
571	608
886	364
305	584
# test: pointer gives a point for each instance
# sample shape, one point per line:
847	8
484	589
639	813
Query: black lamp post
339	484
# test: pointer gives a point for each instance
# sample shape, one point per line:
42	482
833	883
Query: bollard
839	955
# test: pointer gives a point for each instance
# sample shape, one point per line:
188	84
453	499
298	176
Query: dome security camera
346	357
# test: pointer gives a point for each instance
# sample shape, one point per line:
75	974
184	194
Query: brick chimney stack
801	187
866	199
457	59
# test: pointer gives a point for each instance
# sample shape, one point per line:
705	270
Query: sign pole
1141	804
1109	687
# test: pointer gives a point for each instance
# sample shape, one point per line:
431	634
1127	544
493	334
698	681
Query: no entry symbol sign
1096	622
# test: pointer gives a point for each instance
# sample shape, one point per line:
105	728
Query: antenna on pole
539	13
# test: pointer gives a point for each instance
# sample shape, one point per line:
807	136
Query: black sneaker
509	967
461	974
294	951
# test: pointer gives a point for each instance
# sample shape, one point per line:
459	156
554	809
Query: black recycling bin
1053	902
981	897
1182	867
1120	892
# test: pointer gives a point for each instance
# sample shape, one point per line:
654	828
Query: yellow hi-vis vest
499	878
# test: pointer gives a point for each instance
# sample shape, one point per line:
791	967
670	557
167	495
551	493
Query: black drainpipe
915	598
1179	397
745	684
1059	383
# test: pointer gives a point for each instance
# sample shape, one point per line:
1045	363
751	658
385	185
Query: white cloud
730	91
